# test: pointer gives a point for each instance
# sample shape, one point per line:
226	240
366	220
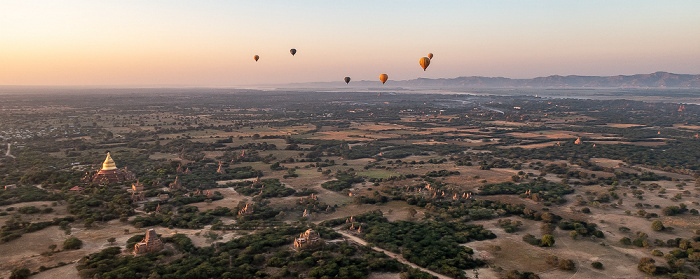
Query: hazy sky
212	43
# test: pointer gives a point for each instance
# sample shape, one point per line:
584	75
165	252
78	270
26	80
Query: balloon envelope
256	57
430	55
383	78
424	62
347	80
293	51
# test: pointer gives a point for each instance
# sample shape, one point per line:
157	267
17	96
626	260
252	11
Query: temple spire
109	163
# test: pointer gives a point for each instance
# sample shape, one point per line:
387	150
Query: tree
53	247
597	265
548	240
566	264
111	240
625	241
573	235
20	273
657	225
412	211
647	265
547	228
72	244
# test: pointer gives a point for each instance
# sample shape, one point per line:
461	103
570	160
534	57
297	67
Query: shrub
72	244
531	239
20	273
657	225
597	265
566	264
547	240
625	241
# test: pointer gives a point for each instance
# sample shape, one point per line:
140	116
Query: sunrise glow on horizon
212	43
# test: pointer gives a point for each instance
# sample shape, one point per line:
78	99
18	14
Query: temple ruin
308	240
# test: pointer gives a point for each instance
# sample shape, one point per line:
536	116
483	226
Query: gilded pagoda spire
109	163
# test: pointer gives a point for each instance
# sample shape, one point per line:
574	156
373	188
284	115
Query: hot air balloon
424	62
430	55
256	58
347	80
383	78
293	51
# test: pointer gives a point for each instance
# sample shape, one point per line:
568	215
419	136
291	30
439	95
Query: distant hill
659	80
654	80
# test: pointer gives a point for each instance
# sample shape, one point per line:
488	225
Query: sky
211	43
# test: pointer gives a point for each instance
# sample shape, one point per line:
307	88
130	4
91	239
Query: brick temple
308	240
151	243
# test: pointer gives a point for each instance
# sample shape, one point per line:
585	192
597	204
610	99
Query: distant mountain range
659	80
654	80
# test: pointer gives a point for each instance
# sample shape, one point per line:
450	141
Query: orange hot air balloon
347	80
424	62
430	55
256	58
383	78
293	51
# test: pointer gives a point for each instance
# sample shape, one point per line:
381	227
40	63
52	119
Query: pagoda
110	174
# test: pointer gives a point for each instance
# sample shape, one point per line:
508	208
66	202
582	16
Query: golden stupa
110	174
109	163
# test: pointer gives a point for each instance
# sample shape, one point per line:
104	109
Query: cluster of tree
26	194
266	188
509	225
260	214
678	154
250	256
514	274
343	181
311	205
15	227
434	245
187	217
101	203
403	151
684	251
181	199
580	228
547	240
563	264
675	210
441	173
539	190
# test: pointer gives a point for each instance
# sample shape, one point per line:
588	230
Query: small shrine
137	187
176	184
